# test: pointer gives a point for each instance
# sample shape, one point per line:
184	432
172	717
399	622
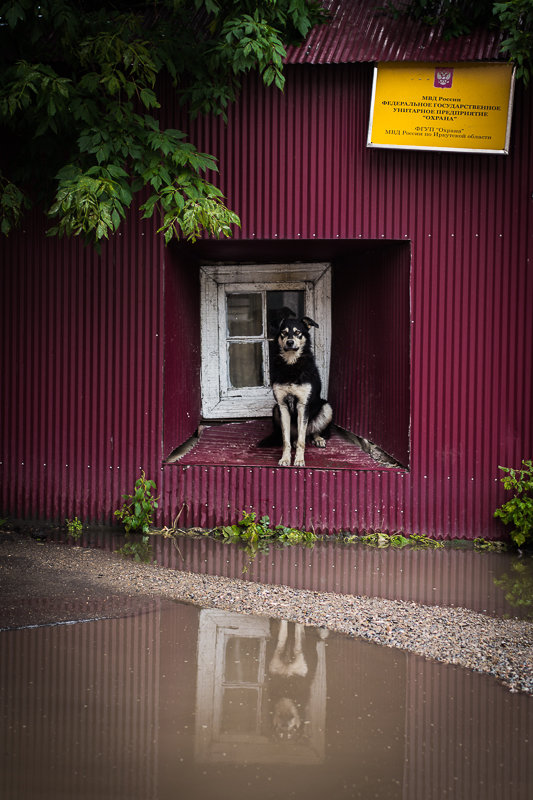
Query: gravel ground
41	583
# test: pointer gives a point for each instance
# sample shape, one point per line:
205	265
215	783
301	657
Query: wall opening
367	348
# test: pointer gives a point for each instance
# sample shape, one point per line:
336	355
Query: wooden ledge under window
236	444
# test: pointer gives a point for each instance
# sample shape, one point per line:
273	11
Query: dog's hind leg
319	424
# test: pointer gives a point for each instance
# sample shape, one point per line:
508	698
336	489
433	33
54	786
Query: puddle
490	582
498	583
178	702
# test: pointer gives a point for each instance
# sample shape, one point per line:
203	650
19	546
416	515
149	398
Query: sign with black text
463	107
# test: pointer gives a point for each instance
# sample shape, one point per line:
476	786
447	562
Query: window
241	308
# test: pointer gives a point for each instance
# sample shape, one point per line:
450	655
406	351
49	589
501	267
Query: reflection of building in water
106	710
261	691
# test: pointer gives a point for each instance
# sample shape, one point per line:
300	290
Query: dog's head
286	721
293	337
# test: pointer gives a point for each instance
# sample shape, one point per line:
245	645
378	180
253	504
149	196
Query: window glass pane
239	711
244	314
282	304
242	659
245	364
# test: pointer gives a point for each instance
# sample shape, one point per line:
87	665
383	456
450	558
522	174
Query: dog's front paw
299	461
285	460
319	441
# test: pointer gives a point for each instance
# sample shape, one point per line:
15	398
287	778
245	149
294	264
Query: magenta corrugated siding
181	365
81	372
84	358
360	31
371	318
295	167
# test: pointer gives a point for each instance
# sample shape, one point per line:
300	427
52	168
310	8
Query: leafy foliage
489	545
414	540
137	511
80	97
396	540
518	511
514	18
518	586
74	528
259	535
137	514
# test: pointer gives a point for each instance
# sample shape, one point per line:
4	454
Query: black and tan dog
300	412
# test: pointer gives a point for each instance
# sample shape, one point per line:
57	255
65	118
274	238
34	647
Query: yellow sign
458	107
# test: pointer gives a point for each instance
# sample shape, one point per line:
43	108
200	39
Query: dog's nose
290	342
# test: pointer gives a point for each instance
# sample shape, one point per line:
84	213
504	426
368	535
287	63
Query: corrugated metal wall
83	362
295	166
371	323
82	350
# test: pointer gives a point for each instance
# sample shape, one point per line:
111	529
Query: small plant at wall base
484	545
74	528
258	534
396	540
137	514
518	511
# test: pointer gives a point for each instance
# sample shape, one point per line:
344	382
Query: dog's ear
282	324
308	322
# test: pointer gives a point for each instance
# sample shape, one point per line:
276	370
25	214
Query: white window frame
219	400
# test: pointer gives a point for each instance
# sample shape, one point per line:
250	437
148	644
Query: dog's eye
298	334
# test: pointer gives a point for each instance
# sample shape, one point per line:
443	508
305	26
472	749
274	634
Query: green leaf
149	99
86	113
14	14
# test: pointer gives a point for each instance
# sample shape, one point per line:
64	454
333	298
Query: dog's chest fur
292	394
294	383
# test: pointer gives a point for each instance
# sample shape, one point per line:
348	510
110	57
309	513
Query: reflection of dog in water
291	669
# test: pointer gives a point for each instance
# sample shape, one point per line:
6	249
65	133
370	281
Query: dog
300	412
